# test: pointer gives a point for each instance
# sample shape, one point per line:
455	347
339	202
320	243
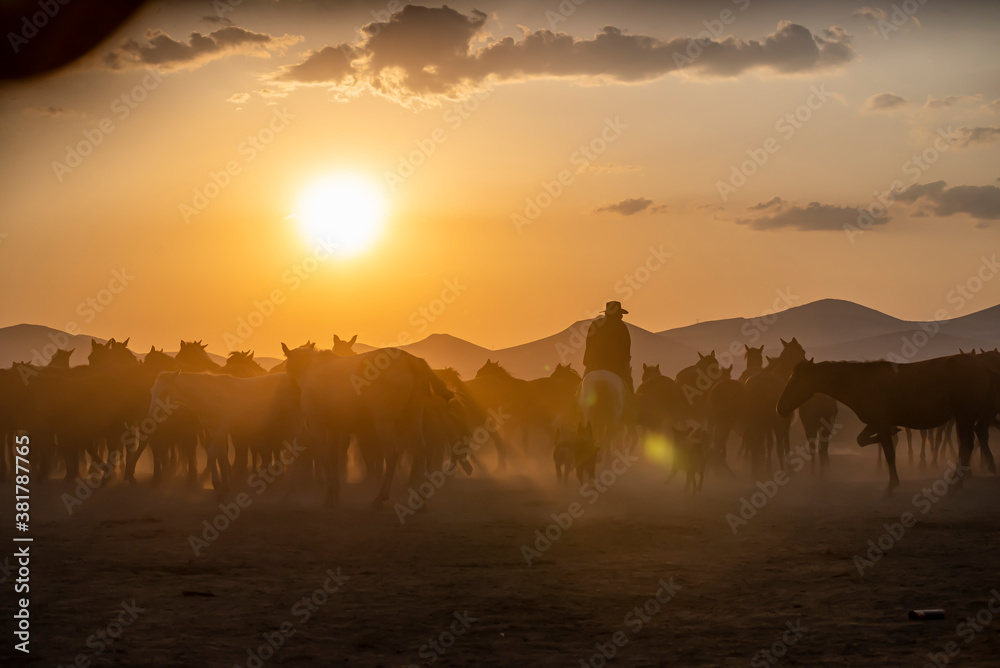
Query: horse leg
983	436
387	437
966	444
889	450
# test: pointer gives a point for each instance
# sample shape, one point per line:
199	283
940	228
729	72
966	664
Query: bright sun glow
343	211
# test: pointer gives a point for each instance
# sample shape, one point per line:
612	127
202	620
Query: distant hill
828	329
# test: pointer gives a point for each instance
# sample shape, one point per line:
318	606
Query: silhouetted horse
388	387
575	450
660	403
919	395
262	409
696	381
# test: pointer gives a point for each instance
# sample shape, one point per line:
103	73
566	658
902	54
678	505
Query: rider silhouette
609	345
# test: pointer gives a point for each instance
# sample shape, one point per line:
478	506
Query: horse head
650	371
343	348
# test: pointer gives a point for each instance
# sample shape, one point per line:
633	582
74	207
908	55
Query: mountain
828	329
817	324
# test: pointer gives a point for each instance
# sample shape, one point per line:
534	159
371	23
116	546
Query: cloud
53	112
870	13
950	101
977	135
884	102
660	208
980	202
814	217
993	106
432	52
626	207
238	98
775	202
218	20
161	50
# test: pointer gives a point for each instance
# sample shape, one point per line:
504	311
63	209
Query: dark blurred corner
40	36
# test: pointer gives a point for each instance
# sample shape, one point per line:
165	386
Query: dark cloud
218	20
330	65
52	112
813	217
160	49
978	135
626	207
885	102
980	202
773	202
949	101
425	52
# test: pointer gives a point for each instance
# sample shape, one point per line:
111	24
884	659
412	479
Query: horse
690	456
660	403
242	365
696	381
262	410
192	357
172	435
473	415
919	395
575	450
818	414
755	361
389	388
602	400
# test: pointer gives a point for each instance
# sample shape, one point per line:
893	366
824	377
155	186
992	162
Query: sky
534	160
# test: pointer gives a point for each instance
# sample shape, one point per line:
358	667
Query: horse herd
387	405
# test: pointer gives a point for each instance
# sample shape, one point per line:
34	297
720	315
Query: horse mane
495	370
449	375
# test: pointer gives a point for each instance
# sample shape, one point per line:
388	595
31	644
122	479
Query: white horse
602	400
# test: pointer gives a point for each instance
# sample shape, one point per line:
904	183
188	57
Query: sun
343	211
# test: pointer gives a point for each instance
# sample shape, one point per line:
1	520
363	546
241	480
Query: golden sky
536	159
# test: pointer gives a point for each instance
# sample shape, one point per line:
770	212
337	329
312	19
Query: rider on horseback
609	346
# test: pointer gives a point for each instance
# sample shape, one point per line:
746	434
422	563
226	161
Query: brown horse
388	388
660	403
919	395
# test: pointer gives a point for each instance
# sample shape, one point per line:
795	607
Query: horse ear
71	351
285	349
125	342
645	367
700	356
336	339
746	348
94	345
794	341
353	340
250	355
783	342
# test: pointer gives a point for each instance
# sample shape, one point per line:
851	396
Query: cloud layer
161	50
980	202
428	52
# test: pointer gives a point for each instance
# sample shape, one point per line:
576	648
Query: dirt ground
640	571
